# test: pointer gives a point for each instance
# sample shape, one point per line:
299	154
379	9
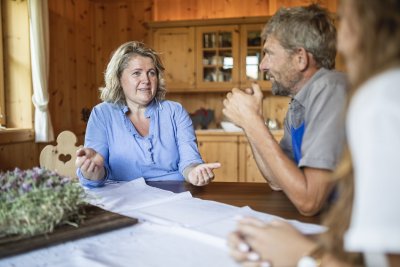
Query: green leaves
35	201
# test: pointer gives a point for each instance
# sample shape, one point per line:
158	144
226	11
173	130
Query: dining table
149	244
258	196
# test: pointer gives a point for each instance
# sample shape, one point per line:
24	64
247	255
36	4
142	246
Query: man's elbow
308	208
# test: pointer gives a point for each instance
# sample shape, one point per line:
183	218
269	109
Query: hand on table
202	174
277	243
91	163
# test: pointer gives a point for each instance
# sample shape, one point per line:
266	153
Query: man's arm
306	187
264	168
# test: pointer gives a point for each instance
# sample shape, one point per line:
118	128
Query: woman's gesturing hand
91	163
202	174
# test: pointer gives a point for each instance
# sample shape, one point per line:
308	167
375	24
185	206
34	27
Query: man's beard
280	89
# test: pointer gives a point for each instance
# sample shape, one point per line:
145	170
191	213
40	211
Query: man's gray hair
309	27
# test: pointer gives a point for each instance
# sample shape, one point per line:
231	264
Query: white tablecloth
144	244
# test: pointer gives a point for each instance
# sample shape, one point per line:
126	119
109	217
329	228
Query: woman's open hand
202	174
91	163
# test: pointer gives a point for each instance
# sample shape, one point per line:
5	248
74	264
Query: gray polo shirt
314	122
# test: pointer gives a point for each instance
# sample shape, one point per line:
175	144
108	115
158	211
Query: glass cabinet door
217	67
251	55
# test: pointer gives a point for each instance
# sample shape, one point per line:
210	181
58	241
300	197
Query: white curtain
39	37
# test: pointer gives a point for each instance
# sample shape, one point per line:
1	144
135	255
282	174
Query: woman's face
348	33
139	81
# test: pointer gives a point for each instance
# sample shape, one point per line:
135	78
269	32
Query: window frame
2	93
16	79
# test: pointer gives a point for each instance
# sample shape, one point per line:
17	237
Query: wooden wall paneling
98	32
56	64
140	12
86	91
109	17
71	115
331	5
116	23
230	9
22	155
62	64
206	9
174	10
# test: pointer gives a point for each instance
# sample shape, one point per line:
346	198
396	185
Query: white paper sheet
223	227
125	196
190	212
139	200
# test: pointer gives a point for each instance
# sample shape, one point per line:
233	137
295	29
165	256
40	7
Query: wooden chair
61	158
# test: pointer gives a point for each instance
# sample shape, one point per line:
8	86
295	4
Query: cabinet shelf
213	55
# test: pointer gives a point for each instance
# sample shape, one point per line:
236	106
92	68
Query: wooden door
251	54
217	62
248	169
177	50
223	149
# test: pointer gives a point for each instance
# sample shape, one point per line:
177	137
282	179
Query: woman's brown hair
378	46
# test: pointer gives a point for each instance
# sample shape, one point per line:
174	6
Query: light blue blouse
162	155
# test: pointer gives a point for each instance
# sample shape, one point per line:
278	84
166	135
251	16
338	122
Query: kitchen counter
276	133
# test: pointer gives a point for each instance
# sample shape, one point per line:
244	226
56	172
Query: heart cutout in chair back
64	158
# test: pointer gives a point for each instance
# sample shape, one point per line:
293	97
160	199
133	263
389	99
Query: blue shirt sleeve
186	139
96	138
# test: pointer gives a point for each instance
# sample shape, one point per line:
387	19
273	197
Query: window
15	72
2	107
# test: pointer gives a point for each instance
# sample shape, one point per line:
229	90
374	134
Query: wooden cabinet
177	51
232	150
217	57
212	55
223	149
248	170
251	54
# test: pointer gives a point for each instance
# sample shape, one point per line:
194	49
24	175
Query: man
300	50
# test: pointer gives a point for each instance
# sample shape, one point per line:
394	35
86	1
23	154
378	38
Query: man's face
280	67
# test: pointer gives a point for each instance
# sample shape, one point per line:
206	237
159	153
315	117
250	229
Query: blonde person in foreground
364	225
135	132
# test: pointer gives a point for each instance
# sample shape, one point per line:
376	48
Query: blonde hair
378	49
113	92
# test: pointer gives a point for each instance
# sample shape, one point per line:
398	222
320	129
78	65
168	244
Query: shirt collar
150	109
302	95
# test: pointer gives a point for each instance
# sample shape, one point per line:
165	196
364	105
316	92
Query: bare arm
307	188
263	167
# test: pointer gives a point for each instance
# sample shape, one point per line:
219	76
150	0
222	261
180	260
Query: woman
135	132
369	39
